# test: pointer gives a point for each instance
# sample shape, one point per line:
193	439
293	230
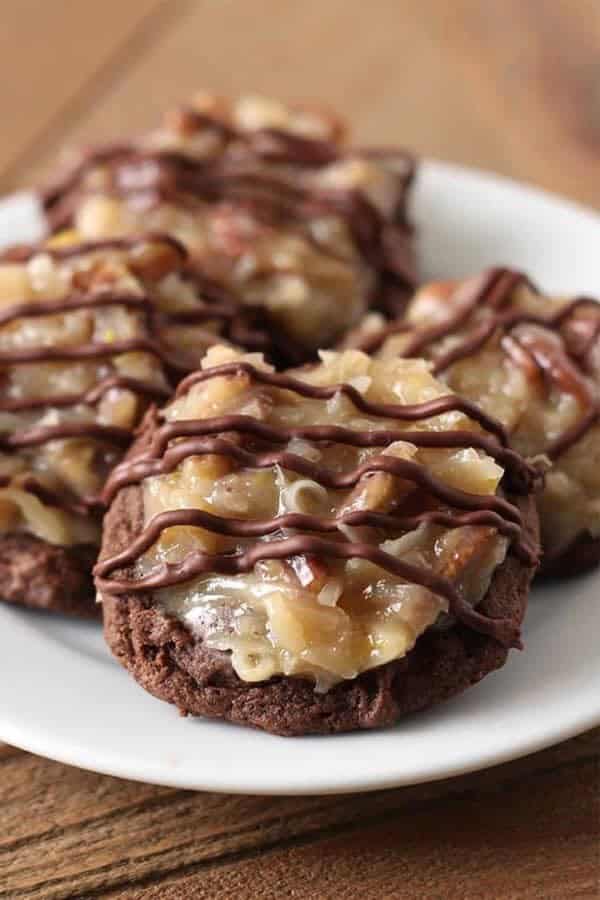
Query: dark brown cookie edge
580	556
172	665
39	575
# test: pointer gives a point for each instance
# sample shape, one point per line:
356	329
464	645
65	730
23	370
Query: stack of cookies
309	490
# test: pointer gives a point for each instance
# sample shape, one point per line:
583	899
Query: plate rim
82	755
156	775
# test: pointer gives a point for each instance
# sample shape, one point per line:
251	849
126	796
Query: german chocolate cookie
318	551
532	361
90	334
272	204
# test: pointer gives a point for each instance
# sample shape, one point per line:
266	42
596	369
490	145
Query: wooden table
511	85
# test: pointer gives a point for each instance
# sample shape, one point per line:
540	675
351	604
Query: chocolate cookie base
170	663
39	575
580	556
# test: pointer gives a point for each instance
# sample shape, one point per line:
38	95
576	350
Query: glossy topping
269	201
316	523
531	360
90	333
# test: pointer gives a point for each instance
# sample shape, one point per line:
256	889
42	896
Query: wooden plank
66	832
507	845
367	66
51	56
497	85
530	72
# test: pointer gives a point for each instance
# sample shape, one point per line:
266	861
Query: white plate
61	694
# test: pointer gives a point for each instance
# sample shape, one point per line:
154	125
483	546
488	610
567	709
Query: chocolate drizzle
406	412
215	307
169	574
213	302
147	177
79	506
96	350
562	362
24	252
490	287
246	326
172	443
33	437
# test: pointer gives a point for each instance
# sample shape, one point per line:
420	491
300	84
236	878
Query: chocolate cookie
270	201
369	569
580	556
41	575
90	334
532	361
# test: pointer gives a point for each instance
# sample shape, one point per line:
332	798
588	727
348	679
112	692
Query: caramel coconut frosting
532	361
315	524
90	334
271	202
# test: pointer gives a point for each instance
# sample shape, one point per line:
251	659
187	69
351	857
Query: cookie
41	575
319	551
578	557
531	360
90	334
272	204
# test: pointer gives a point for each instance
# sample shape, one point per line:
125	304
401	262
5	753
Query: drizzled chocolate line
244	528
582	352
35	436
198	563
92	351
176	178
217	306
132	152
276	145
521	474
88	398
159	458
72	303
96	350
492	289
41	434
553	363
133	470
81	506
156	320
25	252
371	232
551	360
403	411
525	473
273	144
565	312
508	322
154	317
273	201
249	326
103	154
32	436
370	343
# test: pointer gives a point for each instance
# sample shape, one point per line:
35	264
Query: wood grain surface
512	86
